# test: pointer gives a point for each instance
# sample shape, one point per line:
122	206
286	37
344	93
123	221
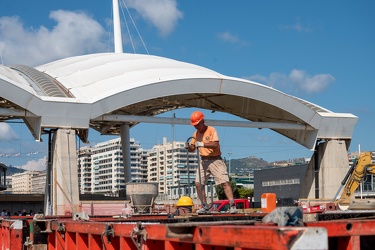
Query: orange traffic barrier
268	202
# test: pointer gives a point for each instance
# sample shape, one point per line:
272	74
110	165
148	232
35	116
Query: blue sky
320	51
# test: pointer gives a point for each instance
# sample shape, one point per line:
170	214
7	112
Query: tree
245	192
220	190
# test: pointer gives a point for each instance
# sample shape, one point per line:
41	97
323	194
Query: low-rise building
23	182
38	183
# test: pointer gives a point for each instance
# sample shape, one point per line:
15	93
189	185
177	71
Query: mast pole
117	27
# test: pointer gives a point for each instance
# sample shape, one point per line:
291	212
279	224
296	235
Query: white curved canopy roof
76	92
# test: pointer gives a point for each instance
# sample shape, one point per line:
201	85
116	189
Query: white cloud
311	84
163	14
228	37
259	78
35	165
75	33
7	133
296	80
297	26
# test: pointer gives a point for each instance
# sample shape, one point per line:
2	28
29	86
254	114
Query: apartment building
23	182
172	167
38	183
105	173
84	169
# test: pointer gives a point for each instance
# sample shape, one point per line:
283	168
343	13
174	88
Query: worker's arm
211	144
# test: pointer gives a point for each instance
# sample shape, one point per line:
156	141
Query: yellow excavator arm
355	176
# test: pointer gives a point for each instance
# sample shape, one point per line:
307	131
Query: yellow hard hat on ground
185	201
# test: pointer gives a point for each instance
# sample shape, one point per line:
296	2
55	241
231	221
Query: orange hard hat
196	117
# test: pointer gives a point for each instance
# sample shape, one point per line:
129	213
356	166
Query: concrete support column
48	189
125	143
332	165
65	192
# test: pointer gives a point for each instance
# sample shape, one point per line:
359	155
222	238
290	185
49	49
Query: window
280	182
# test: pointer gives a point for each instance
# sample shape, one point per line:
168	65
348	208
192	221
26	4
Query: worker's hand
199	144
186	146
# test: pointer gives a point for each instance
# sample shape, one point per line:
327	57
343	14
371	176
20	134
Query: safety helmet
184	201
196	117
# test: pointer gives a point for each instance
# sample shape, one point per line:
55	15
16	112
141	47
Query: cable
135	26
127	27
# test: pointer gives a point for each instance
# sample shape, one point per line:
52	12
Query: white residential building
105	163
84	169
172	167
38	183
9	184
23	182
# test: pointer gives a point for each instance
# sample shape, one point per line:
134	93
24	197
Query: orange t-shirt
208	136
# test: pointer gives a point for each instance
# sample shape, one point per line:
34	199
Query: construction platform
214	231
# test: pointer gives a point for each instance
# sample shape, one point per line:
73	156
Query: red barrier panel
217	232
11	237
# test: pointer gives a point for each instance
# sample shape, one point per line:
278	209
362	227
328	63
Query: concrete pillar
332	166
125	143
65	192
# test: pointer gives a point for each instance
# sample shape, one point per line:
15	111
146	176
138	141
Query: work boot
203	210
233	210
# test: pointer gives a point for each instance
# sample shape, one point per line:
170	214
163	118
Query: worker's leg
220	173
200	183
228	191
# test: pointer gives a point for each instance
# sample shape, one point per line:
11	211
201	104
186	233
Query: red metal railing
161	232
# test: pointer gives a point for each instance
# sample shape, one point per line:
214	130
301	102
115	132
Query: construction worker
206	140
184	205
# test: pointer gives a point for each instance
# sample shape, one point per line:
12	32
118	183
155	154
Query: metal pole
187	165
188	172
173	176
230	153
179	189
117	27
360	184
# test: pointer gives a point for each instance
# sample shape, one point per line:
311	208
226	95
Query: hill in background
13	170
247	165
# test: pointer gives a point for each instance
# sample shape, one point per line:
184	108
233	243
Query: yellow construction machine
363	166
